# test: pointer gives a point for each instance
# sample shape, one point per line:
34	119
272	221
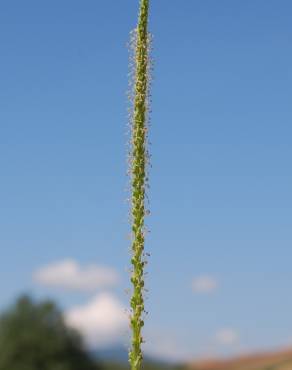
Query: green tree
33	336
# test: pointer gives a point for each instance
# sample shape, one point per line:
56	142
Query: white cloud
227	337
102	321
68	274
204	284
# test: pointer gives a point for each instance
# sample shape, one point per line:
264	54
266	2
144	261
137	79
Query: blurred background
219	274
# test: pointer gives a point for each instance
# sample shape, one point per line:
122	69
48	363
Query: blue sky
221	154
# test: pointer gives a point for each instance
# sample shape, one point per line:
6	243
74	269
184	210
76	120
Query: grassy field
148	366
266	361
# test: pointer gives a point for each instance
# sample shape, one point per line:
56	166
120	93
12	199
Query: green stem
138	182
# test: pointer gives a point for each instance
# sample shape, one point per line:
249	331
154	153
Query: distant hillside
281	360
116	358
118	354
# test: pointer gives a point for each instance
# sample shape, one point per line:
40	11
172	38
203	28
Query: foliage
33	336
138	171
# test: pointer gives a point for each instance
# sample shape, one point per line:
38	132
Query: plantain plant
140	43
